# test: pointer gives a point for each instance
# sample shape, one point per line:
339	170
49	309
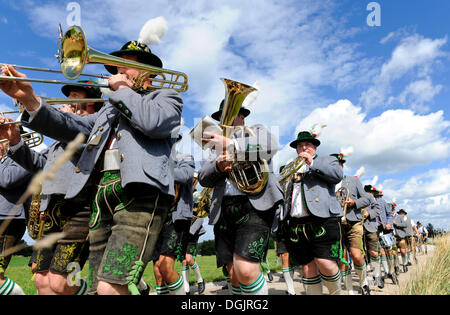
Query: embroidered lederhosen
243	230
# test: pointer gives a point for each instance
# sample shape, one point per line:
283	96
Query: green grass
433	277
19	271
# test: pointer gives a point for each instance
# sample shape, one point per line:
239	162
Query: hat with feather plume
151	33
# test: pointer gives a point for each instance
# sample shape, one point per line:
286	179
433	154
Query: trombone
31	139
74	54
55	101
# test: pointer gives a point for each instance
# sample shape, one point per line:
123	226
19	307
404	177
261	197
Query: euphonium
202	200
248	176
343	195
202	203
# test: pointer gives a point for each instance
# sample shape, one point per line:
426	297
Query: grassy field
19	271
433	277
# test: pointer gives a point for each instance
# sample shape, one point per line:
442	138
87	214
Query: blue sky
383	89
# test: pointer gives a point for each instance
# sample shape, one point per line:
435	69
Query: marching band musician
127	155
394	251
172	242
13	183
314	213
371	240
385	222
51	265
400	228
242	222
352	230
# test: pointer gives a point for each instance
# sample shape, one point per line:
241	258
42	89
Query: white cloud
425	196
292	48
414	53
418	94
4	20
392	142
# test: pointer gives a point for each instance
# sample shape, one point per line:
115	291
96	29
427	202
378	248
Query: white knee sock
259	287
83	289
177	287
162	290
385	265
375	262
361	271
333	283
313	286
185	272
196	270
288	279
9	287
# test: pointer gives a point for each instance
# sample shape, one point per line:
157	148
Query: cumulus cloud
418	94
414	53
425	196
292	48
392	142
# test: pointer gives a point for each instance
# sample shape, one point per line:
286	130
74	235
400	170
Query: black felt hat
142	51
91	91
305	136
216	115
339	156
402	211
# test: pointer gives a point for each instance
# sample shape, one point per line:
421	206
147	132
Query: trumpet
31	139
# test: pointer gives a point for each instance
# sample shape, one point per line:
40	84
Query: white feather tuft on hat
360	173
316	129
251	98
347	151
153	31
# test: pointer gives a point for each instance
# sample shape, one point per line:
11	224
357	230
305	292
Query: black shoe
270	277
365	290
393	278
405	268
380	282
397	270
409	264
188	293
201	287
145	291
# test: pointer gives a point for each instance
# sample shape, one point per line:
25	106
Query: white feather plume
347	151
360	173
251	98
153	31
394	200
317	129
374	181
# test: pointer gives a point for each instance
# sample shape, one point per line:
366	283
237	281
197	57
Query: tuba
248	176
343	194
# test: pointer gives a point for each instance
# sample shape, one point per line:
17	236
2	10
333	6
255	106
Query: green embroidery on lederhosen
120	261
124	201
96	214
256	248
64	256
172	242
193	251
90	276
335	250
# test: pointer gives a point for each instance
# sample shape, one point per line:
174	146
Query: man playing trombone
52	266
127	154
